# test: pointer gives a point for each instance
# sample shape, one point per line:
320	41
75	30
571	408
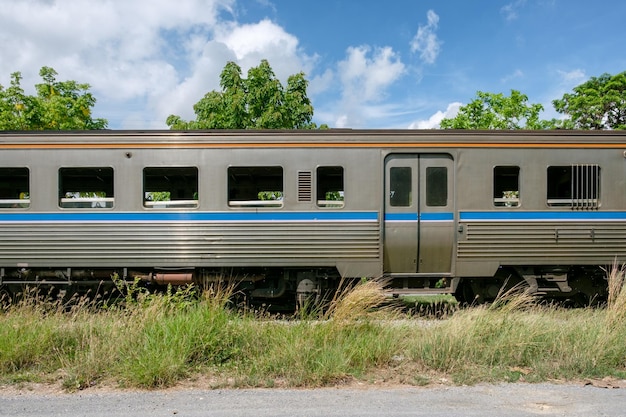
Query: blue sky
371	64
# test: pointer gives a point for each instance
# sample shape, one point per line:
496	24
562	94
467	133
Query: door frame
419	219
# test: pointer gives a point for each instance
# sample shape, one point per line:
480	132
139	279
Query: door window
436	186
400	187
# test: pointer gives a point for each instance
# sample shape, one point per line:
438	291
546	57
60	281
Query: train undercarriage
575	285
274	288
285	288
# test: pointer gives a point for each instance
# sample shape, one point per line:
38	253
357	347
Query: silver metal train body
287	213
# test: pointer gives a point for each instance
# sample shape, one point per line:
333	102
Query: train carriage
289	213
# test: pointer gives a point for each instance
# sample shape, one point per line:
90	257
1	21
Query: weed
156	340
356	301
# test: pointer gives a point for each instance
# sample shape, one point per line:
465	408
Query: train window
576	186
330	191
436	186
255	186
170	187
400	186
14	188
86	187
506	186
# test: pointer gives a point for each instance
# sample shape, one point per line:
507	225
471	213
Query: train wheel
589	286
464	293
486	290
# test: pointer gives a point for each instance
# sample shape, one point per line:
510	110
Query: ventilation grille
304	185
585	186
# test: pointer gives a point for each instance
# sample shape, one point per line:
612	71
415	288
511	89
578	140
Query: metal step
417	291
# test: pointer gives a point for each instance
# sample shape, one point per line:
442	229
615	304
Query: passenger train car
287	214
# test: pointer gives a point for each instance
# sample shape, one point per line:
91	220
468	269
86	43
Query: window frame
578	189
21	199
255	180
322	187
155	172
434	197
398	177
503	197
86	202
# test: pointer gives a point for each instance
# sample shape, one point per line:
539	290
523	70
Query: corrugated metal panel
128	244
543	240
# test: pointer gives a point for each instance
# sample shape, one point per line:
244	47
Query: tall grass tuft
610	348
360	300
518	338
351	338
157	340
616	301
173	333
514	299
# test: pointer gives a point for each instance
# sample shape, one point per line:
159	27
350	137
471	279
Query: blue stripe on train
188	216
412	217
311	216
542	215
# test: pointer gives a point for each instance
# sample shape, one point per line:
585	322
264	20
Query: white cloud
146	59
516	74
341	121
129	51
204	76
365	75
425	40
245	44
433	121
100	32
572	77
151	58
511	10
265	40
321	83
257	37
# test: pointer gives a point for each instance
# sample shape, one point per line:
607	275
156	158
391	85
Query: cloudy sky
370	63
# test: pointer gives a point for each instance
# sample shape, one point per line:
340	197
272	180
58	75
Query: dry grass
514	299
363	300
616	301
154	341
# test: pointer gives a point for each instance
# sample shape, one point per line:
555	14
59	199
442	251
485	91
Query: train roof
312	138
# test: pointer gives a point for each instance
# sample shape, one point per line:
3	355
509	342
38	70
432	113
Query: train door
419	213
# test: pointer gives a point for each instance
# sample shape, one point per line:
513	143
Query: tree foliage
599	103
58	105
490	111
256	102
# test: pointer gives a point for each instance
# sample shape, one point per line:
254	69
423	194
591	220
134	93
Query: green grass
155	341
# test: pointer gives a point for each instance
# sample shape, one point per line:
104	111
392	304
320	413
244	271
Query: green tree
256	102
491	111
599	103
15	106
58	105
